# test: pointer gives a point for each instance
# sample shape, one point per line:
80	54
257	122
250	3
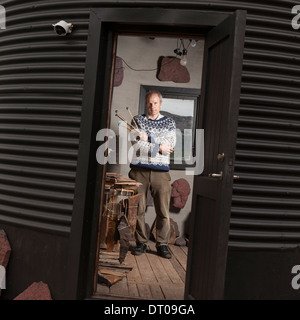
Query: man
154	142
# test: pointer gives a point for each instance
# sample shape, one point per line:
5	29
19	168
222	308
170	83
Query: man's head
153	103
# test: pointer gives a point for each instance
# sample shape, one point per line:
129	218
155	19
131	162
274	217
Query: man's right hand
143	135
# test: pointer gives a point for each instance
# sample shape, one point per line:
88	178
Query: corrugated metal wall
266	205
41	83
41	80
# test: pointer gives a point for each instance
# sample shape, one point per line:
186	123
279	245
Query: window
181	104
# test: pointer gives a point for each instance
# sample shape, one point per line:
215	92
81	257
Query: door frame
104	24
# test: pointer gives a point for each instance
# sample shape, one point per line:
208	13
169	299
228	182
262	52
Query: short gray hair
151	93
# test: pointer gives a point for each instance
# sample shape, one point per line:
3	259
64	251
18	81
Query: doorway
218	117
137	70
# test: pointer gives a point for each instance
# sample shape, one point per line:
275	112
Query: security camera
62	28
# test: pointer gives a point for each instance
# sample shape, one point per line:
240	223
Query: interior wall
142	53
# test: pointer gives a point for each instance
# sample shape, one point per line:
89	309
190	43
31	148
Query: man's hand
165	148
143	135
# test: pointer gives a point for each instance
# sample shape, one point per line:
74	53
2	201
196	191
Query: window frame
175	93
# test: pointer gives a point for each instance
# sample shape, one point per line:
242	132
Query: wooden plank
157	267
112	272
160	283
103	289
116	268
167	265
120	288
156	292
111	255
108	279
144	290
134	275
104	254
178	267
113	262
132	289
109	261
184	249
173	292
173	274
180	255
145	268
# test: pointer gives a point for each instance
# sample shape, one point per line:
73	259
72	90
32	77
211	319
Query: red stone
180	192
5	249
171	70
36	291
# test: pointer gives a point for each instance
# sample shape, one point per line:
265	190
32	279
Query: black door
104	23
213	188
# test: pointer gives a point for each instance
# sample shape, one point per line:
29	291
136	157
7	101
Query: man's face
153	105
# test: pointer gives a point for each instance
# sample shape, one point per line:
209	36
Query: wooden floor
151	276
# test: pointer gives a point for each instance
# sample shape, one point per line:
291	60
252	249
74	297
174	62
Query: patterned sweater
146	153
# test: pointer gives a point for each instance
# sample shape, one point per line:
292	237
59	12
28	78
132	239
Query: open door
220	98
212	195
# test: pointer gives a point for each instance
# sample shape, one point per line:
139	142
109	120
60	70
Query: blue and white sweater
159	131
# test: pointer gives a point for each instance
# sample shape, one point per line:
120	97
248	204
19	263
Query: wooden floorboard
133	290
134	275
156	292
172	273
158	269
173	292
145	269
184	249
144	290
120	288
180	255
148	276
178	267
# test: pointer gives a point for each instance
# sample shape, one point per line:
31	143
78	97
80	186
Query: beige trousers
160	188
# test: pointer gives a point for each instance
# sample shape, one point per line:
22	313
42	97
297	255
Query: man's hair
152	92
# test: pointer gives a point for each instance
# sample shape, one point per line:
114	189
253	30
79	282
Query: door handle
216	175
220	176
221	156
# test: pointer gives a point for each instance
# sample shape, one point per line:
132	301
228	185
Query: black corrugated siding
266	200
41	79
41	83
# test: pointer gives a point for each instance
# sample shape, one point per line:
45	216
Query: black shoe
163	251
139	249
